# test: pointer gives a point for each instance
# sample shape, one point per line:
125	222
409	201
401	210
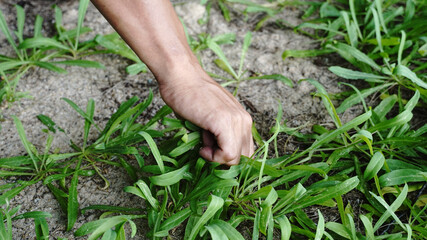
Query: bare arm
153	30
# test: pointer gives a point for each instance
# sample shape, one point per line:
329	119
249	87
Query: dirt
110	86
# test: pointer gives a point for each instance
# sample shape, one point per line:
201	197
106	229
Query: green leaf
374	166
216	232
144	192
351	74
331	192
369	229
175	220
217	50
228	229
278	77
33	214
192	141
285	227
305	53
320	226
214	204
83	4
4	66
154	150
20	21
81	63
339	229
366	137
170	178
401	176
41	42
51	67
406	72
358	55
5	29
73	204
246	44
356	98
90	111
99	227
391	209
27	145
38	23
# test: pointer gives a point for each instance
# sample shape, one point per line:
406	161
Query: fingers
233	139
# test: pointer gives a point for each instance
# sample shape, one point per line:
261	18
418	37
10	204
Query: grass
63	49
378	156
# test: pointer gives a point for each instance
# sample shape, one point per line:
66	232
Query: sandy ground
110	86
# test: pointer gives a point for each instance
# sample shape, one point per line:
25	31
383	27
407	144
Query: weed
239	76
39	51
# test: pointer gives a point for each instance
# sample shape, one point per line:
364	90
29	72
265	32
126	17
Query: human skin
153	30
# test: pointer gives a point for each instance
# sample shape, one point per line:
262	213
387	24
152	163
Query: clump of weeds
39	51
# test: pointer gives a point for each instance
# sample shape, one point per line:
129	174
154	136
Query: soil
111	86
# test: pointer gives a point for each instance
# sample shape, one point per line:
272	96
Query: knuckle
230	156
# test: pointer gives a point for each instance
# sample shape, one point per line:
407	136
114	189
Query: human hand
194	96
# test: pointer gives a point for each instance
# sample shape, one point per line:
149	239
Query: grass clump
65	48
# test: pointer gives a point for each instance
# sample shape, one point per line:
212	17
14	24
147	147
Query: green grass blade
351	29
401	47
154	150
285	227
38	23
358	55
216	232
169	178
278	77
32	214
357	98
391	209
20	21
193	140
374	166
320	226
80	111
217	50
378	5
246	44
90	110
5	29
27	145
369	229
401	176
147	194
326	102
381	110
81	63
4	66
351	74
175	220
406	72
331	192
41	42
305	53
83	4
377	28
51	67
214	204
354	18
228	229
73	204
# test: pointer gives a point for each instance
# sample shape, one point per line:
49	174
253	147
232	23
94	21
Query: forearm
153	31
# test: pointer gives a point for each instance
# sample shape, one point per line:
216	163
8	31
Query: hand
193	95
